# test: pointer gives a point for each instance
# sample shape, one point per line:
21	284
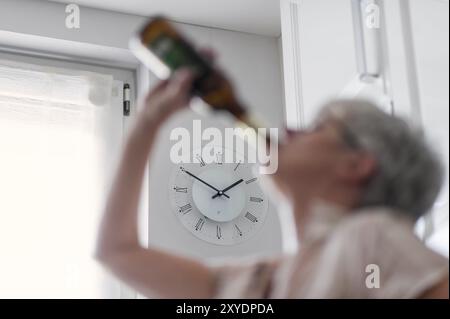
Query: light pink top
340	258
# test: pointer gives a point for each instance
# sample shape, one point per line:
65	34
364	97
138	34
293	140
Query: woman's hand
166	98
171	95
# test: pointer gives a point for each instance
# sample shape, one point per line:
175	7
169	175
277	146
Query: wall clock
218	202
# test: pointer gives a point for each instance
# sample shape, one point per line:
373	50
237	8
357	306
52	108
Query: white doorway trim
294	108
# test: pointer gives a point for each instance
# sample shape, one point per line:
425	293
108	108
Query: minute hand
219	193
228	188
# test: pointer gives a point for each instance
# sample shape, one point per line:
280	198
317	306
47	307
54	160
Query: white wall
252	61
327	53
319	54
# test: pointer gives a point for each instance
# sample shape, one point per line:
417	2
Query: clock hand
228	188
219	193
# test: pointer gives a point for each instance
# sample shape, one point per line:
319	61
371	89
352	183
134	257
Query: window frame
120	63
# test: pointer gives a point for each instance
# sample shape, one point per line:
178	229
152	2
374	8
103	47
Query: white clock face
221	203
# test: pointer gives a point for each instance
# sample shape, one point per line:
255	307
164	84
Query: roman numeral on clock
185	209
219	232
251	180
219	158
256	199
200	159
238	230
180	189
199	224
251	217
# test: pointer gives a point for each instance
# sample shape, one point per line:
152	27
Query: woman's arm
147	270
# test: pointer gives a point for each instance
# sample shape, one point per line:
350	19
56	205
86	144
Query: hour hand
219	193
228	188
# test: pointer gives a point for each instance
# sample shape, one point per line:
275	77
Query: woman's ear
356	167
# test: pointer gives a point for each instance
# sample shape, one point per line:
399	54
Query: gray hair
409	174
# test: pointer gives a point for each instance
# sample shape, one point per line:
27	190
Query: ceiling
253	16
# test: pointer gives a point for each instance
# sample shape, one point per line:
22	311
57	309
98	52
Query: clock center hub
221	208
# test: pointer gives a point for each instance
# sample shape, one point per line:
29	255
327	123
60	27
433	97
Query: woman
357	181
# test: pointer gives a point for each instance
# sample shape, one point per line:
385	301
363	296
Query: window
60	130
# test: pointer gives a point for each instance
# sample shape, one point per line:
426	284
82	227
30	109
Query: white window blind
53	181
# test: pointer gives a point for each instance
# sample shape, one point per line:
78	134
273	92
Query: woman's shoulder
376	223
385	238
376	218
377	230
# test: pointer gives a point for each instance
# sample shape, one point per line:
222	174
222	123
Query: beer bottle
163	49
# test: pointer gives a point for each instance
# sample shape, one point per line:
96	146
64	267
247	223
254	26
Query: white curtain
52	181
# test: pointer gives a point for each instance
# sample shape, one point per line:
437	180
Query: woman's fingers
179	85
156	90
208	53
176	93
179	88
